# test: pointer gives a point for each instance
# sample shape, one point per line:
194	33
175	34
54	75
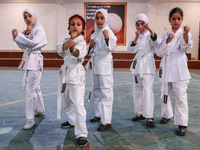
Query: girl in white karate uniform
73	51
174	74
102	43
32	40
143	69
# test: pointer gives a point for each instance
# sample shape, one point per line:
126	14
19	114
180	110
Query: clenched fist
105	33
74	35
15	32
170	37
71	43
92	43
186	29
29	29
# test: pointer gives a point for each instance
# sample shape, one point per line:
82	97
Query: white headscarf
144	18
33	13
98	35
105	14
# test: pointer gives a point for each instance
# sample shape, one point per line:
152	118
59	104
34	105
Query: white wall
191	17
54	18
11	18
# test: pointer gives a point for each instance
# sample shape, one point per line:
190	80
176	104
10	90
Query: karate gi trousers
181	103
34	99
143	96
103	97
73	104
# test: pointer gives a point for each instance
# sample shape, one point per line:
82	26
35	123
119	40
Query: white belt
101	53
140	64
61	84
25	58
165	71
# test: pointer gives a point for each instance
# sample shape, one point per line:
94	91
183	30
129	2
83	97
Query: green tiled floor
124	134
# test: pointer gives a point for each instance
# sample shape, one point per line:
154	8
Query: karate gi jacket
101	53
73	71
33	44
174	61
144	50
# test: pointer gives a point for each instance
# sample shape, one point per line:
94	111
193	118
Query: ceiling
29	1
74	1
67	1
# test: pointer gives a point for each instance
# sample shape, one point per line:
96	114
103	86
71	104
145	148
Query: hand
147	26
15	32
29	29
170	37
186	29
74	35
137	33
71	43
149	29
105	33
92	43
185	34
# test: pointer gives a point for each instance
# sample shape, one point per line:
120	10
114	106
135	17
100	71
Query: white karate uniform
33	44
102	68
175	75
73	74
144	72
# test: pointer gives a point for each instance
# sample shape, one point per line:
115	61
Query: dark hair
174	10
83	22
